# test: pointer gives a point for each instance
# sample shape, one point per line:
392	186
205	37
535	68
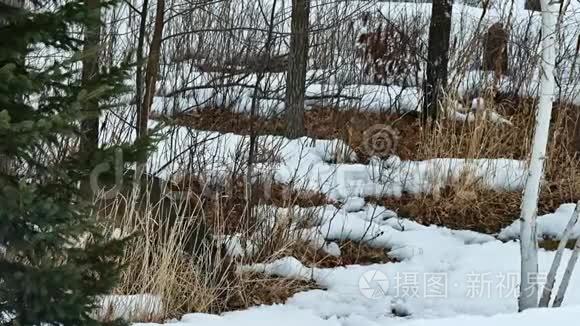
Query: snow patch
550	226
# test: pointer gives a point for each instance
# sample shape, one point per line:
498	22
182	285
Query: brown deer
388	52
495	57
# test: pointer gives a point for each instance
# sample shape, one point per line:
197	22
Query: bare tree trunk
253	137
577	134
139	54
297	64
150	80
529	289
437	57
567	275
89	142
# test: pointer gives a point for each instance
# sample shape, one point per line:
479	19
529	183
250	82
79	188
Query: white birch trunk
551	280
528	240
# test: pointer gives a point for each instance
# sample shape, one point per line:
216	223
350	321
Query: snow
550	226
373	98
319	165
534	317
129	307
288	267
353	204
455	279
284	315
441	272
290	316
260	316
465	277
235	246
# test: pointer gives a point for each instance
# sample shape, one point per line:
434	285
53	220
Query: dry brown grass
159	260
479	139
156	258
467	205
485	211
257	289
226	205
173	258
351	253
485	139
320	123
479	210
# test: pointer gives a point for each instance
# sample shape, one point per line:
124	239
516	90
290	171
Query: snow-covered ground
289	316
436	273
550	226
439	273
322	165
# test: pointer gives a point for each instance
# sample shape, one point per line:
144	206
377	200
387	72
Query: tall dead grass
468	205
156	260
178	254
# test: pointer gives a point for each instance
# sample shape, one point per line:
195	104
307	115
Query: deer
388	51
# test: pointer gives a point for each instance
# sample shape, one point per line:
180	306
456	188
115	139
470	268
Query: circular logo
380	140
373	284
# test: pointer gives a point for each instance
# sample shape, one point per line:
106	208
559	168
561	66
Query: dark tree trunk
437	57
533	5
152	70
297	63
139	54
577	135
253	137
6	164
90	125
150	80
